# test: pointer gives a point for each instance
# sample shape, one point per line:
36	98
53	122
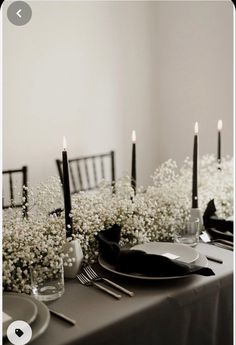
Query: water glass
47	280
189	233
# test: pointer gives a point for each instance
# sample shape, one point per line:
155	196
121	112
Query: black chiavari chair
13	200
86	172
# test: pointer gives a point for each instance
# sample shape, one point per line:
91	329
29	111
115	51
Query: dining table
191	310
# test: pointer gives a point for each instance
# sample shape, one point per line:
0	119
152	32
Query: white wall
96	70
193	75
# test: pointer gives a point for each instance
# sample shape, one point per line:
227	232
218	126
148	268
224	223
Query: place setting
151	261
25	308
33	308
218	231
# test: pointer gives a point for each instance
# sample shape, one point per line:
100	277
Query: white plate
18	307
185	253
42	320
201	261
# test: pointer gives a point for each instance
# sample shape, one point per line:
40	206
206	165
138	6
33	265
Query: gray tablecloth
190	311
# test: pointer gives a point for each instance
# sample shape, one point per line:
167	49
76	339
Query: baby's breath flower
150	215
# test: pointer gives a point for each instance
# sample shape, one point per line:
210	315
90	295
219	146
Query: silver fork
88	282
95	277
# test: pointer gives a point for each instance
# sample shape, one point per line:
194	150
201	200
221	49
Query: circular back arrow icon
18	13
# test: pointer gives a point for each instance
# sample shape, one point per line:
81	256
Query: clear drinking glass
189	233
47	280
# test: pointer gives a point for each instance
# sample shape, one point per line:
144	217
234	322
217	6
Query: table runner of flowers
150	215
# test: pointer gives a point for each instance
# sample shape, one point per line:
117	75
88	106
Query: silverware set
221	244
90	278
95	277
217	242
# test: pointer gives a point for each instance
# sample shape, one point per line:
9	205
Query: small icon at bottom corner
19	332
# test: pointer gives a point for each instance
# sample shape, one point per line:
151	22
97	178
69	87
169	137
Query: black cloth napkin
211	220
139	262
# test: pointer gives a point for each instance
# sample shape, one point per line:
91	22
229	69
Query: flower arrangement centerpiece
147	215
36	240
153	214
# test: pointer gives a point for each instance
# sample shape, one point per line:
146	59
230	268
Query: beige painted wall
193	76
96	70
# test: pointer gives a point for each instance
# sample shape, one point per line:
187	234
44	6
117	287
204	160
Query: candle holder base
74	251
196	213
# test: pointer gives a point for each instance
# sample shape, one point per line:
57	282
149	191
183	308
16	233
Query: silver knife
63	317
221	245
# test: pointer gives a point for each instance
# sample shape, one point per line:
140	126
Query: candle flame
64	143
196	128
220	125
133	136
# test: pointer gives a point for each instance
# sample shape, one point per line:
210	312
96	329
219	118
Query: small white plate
18	307
183	252
40	324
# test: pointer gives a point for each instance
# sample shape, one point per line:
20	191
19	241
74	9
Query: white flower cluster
217	184
36	240
214	182
150	215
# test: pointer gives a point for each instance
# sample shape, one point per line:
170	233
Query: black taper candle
219	141
66	190
195	169
133	165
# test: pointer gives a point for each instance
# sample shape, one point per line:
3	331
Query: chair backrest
86	172
11	179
